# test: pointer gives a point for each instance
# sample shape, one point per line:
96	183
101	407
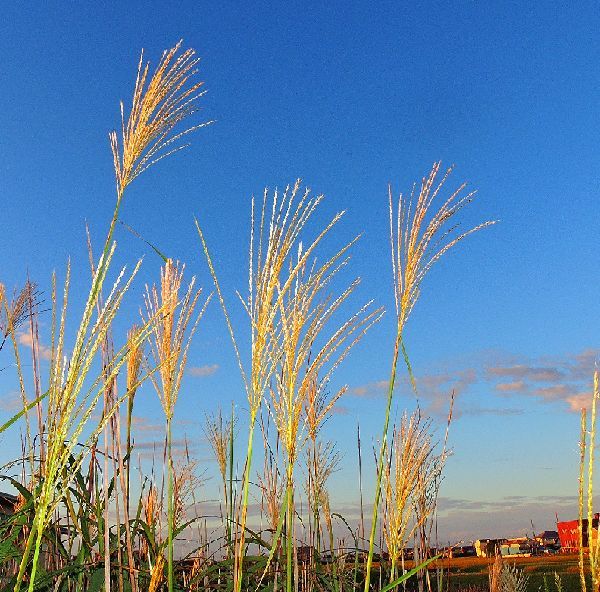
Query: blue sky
348	97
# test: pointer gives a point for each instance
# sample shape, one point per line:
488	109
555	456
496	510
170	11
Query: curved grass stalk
416	245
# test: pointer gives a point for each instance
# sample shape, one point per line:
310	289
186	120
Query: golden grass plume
417	242
159	104
170	340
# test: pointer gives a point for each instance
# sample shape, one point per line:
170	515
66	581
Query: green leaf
23	411
410	574
138	235
96	581
19	487
408	367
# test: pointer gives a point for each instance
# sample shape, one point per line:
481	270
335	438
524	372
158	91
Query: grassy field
472	572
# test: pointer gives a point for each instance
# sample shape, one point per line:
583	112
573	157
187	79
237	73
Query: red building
568	533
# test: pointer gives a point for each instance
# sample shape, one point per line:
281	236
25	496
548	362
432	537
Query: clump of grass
304	315
558	582
410	452
70	404
274	306
76	521
160	103
507	578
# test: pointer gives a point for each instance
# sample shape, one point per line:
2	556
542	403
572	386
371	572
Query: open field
472	573
467	572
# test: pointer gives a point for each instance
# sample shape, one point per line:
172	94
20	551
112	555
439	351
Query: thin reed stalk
593	545
361	532
588	446
582	449
219	433
169	347
416	245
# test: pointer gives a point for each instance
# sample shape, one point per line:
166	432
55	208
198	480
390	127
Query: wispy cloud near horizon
522	371
566	379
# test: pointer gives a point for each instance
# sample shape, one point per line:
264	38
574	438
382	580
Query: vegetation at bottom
84	517
538	573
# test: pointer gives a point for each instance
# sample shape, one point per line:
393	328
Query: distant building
568	533
7	503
